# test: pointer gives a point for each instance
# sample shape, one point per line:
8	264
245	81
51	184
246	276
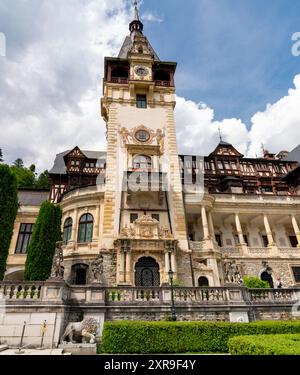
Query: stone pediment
146	228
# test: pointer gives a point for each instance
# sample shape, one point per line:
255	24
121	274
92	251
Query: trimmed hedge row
265	345
137	337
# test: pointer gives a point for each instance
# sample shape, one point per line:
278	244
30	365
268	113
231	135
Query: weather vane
220	134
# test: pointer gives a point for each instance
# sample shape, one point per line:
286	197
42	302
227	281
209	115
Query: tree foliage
8	212
1	156
252	282
47	231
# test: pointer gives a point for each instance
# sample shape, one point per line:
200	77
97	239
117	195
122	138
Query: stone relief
97	269
146	228
128	137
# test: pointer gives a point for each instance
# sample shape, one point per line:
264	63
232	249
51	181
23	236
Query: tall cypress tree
8	212
47	231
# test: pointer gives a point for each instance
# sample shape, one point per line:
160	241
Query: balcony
119	80
162	83
144	181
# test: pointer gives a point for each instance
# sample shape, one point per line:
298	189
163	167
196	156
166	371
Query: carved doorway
79	274
147	272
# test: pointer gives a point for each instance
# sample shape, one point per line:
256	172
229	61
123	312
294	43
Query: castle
149	211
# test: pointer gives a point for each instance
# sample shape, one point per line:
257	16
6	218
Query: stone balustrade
96	294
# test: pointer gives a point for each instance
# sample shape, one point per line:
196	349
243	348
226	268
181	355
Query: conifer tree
47	231
8	212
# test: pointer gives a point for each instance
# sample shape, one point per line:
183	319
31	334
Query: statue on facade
86	330
232	272
57	271
97	269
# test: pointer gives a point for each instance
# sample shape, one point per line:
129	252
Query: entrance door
147	272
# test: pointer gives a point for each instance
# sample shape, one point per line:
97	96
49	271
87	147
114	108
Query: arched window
85	231
67	230
203	281
79	274
142	162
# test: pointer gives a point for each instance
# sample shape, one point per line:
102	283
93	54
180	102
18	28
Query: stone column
167	263
211	226
204	223
268	231
97	223
173	263
128	267
239	229
296	228
121	268
75	226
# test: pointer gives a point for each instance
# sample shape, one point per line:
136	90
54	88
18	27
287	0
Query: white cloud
198	132
150	17
278	127
51	84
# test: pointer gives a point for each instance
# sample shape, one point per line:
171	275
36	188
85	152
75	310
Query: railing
259	250
196	245
48	292
289	250
30	291
162	83
271	295
120	80
230	250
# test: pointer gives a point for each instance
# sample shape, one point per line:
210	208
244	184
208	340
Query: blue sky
234	55
235	72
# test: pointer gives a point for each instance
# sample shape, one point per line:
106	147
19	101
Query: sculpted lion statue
87	329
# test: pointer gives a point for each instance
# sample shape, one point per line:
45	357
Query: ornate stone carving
146	228
57	271
232	272
86	330
97	269
128	137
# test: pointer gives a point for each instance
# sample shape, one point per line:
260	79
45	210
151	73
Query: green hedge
265	345
137	337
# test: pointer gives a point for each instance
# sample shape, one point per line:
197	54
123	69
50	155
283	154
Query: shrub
255	283
8	212
265	345
47	231
137	337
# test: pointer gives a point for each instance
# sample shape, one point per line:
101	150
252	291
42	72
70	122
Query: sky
236	72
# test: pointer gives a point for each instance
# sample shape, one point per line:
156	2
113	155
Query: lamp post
173	311
125	247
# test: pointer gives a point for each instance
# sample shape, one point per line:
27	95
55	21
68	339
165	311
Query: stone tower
143	215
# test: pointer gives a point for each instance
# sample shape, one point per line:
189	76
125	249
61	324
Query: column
128	267
97	223
211	226
268	231
121	268
167	263
173	263
75	226
296	228
204	223
239	229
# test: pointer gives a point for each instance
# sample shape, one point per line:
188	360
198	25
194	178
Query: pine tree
1	156
8	212
47	231
19	163
43	181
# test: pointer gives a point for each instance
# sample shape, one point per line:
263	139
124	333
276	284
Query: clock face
141	71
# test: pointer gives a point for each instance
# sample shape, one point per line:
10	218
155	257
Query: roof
127	45
59	166
294	155
31	197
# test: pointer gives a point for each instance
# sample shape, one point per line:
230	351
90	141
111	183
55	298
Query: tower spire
136	26
135	11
